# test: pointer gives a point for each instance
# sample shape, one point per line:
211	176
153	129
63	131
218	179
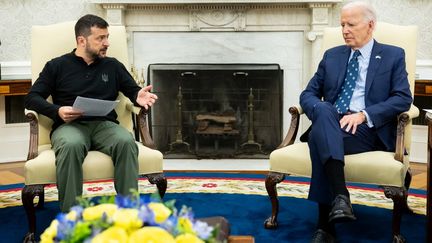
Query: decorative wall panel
18	16
405	12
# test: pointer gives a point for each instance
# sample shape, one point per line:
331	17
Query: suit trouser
71	143
327	140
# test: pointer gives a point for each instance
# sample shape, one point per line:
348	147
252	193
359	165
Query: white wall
14	137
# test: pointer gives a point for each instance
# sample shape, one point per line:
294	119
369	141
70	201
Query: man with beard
88	72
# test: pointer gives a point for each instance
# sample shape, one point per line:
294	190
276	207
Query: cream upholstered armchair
51	41
387	169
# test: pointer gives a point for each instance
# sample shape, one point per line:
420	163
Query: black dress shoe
341	210
320	236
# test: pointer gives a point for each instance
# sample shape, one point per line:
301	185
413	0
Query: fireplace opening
216	110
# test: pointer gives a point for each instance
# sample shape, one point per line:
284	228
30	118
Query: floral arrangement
128	219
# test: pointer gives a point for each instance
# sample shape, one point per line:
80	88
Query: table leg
429	182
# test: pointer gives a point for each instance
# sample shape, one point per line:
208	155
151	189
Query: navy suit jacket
387	91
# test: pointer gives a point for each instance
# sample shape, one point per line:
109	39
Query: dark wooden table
429	178
15	87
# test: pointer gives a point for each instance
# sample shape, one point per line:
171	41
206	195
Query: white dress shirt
357	102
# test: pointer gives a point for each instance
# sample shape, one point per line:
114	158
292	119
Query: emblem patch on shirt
105	77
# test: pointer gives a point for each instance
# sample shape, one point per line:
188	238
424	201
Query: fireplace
216	110
232	32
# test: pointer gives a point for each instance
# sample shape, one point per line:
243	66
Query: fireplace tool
251	146
179	146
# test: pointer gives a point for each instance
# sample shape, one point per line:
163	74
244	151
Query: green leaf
81	231
84	202
107	199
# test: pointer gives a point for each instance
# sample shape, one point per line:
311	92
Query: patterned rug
228	184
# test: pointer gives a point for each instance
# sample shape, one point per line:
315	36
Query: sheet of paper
94	107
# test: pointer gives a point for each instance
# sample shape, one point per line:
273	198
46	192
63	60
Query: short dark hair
84	24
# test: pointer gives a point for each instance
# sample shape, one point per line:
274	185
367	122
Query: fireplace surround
222	32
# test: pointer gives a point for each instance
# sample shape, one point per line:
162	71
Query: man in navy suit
380	93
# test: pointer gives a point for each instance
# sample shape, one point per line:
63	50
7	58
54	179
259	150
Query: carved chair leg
28	193
398	195
272	179
408	178
160	180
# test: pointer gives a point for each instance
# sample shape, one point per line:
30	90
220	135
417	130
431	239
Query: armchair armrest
403	120
413	112
295	112
142	124
28	113
33	118
133	108
299	108
143	128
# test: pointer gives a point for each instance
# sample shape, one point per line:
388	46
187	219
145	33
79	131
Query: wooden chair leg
408	178
160	180
272	179
399	196
28	194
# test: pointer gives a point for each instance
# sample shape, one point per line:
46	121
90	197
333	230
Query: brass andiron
251	147
133	72
179	145
138	79
141	81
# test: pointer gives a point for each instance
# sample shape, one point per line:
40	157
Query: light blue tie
344	97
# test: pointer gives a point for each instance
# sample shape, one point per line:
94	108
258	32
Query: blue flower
147	215
78	210
186	212
202	229
171	224
125	202
65	227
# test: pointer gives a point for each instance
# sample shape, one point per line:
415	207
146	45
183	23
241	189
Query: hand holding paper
94	107
68	113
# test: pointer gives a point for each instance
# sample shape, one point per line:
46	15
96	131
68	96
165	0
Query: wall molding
424	69
15	70
22	69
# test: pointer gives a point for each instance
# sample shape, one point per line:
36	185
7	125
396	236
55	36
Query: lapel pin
377	57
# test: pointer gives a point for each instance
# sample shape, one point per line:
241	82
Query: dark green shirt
68	76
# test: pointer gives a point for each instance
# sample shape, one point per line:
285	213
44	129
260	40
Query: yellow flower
49	234
151	234
72	216
113	234
160	210
96	212
127	218
186	225
188	238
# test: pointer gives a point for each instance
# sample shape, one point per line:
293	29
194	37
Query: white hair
368	10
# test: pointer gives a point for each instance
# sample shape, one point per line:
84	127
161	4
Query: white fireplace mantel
307	16
319	11
143	2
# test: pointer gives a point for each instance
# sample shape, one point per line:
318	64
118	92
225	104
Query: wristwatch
365	117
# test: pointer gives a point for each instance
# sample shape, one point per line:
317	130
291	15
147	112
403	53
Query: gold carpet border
373	198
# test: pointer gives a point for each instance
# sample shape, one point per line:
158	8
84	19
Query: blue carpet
246	214
297	218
